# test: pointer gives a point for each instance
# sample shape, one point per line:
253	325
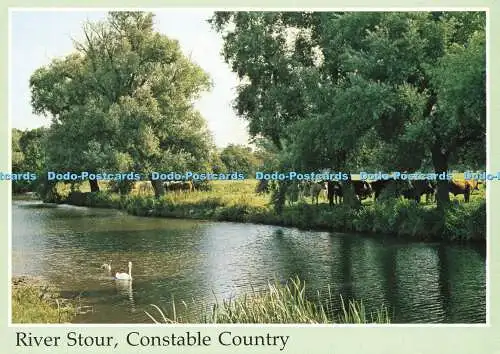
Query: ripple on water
182	260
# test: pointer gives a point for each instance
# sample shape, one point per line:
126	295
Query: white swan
107	266
125	276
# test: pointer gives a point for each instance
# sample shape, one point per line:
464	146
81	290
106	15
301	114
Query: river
190	259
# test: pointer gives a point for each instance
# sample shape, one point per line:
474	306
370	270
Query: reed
279	303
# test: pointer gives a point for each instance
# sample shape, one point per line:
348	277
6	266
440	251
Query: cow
456	187
379	185
397	188
201	186
419	188
474	185
430	196
304	189
316	189
362	189
177	186
334	192
187	186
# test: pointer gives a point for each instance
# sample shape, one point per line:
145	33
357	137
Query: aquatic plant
279	303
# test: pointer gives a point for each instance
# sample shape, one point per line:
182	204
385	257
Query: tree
123	101
338	89
267	155
32	144
17	152
28	156
239	158
216	164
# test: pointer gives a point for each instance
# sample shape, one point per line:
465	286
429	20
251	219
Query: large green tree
239	158
28	155
338	90
123	101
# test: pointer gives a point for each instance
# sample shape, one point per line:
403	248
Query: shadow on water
183	260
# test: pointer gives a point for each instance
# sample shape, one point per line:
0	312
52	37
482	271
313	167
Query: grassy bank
279	303
237	201
33	301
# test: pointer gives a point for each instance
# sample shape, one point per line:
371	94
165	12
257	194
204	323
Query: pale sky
39	36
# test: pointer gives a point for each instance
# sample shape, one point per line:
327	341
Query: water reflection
183	260
124	289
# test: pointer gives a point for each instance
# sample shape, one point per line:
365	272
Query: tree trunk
158	188
94	185
440	162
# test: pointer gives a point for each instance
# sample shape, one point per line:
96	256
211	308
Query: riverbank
237	202
34	301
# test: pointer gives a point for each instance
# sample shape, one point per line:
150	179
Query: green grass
237	201
39	303
277	304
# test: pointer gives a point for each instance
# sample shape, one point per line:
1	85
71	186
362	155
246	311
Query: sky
37	37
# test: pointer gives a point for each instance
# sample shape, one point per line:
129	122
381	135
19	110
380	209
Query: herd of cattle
334	190
173	186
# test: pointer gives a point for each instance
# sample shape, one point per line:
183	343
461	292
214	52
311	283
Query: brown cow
474	185
460	187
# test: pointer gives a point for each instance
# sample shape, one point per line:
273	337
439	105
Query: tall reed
279	303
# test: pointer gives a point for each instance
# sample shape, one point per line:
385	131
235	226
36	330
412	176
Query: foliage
28	155
279	303
465	221
267	155
353	90
38	303
17	152
239	158
123	101
237	201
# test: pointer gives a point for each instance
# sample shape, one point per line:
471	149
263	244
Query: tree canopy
124	101
350	90
239	158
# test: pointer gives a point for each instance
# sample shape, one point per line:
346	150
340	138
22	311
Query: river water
198	261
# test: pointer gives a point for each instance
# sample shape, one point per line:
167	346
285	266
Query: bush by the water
465	221
36	302
279	303
236	201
